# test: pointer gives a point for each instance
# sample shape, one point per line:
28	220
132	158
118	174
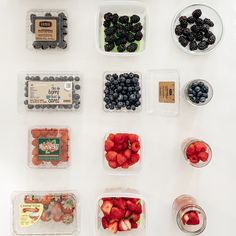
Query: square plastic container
47	29
135	157
45	213
126	194
123	109
163	89
49	91
121	8
49	147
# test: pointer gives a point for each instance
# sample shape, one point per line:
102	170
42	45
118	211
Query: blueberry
199	94
205	95
202	99
205	89
197	89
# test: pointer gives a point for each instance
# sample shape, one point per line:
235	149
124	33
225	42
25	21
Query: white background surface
165	175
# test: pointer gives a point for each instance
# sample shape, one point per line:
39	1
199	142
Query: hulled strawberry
106	207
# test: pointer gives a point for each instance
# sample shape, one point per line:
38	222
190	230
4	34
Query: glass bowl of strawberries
197	152
122	153
121	211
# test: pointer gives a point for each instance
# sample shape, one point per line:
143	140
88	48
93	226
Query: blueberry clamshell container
125	193
49	91
123	110
163	90
49	147
33	215
121	8
132	170
47	29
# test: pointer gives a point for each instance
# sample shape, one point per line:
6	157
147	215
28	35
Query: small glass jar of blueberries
198	92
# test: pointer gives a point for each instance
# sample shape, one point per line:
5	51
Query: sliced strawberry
116	213
121	159
138	209
124	225
128	224
113	227
111	156
134	224
119	138
113	164
120	203
131	206
135	217
135	158
185	218
135	147
193	218
190	150
109	145
125	165
111	137
106	207
134	200
203	156
133	138
200	147
128	213
127	153
104	222
194	159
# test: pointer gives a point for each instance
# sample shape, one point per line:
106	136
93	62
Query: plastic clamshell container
121	193
45	213
138	109
49	91
47	29
121	8
49	147
163	89
132	170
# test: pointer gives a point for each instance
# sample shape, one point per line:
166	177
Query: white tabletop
165	175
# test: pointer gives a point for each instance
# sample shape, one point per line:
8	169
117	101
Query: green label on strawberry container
49	149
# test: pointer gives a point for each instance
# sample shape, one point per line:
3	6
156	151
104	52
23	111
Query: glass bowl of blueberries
198	92
197	29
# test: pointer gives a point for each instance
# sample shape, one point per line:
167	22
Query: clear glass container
190	217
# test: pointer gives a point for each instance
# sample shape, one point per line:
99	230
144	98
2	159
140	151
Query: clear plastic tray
121	193
45	213
49	147
47	29
139	108
163	89
122	8
131	170
49	91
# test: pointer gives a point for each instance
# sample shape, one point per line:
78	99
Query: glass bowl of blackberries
197	29
198	92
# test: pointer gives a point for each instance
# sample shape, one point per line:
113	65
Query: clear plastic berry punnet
47	29
49	91
45	213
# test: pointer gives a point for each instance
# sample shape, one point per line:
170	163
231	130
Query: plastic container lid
45	213
163	90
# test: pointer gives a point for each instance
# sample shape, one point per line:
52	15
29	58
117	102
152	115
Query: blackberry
191	37
191	20
128	26
120	26
205	28
183	21
109	47
121	33
212	39
186	32
130	38
137	27
199	22
124	19
110	39
183	41
134	19
110	30
138	36
107	23
121	48
208	34
197	13
178	30
132	47
199	36
203	45
108	16
115	18
120	41
208	22
195	28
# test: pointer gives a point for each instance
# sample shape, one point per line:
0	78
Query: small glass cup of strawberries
190	217
197	152
122	153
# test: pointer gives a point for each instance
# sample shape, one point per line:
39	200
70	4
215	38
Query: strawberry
107	199
111	137
113	227
57	218
135	217
125	165
125	146
203	156
194	159
135	158
124	225
67	219
133	138
113	164
185	218
119	138
44	132
128	224
190	150
134	200
106	207
118	147
35	133
46	199
104	222
135	146
117	213
121	159
46	216
111	156
200	147
108	145
57	209
127	153
128	213
134	224
68	206
193	218
120	203
136	208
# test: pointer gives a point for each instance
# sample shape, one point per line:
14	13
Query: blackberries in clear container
195	31
122	33
122	91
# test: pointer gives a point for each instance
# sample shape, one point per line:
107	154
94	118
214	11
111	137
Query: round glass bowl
209	93
200	163
207	12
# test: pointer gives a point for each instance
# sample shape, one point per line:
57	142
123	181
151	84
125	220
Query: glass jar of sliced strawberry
197	152
190	217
